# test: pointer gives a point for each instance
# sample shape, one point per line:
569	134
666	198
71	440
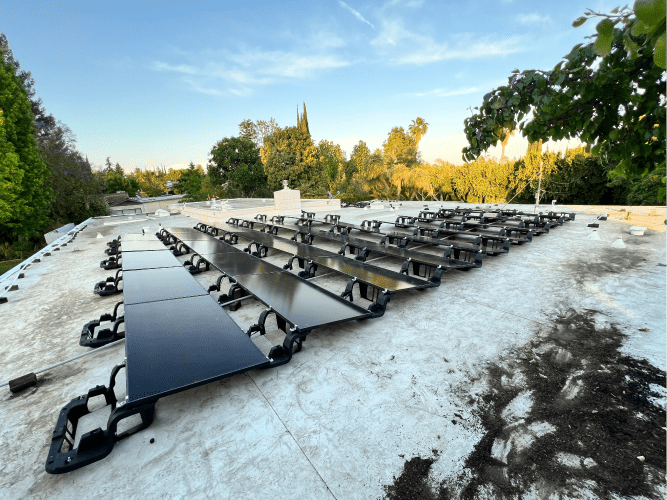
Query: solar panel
378	276
141	245
300	302
150	285
148	260
232	265
177	344
209	245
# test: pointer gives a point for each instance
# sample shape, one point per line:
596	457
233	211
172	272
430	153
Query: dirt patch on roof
573	414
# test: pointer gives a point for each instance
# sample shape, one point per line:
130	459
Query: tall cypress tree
304	121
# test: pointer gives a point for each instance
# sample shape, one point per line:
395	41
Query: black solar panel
148	260
232	265
177	344
141	245
150	285
302	303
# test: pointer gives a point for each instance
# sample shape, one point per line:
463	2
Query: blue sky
158	83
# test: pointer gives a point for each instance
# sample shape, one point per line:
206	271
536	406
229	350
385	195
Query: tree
483	181
400	147
619	107
190	182
289	154
578	178
442	173
150	182
400	177
302	121
332	161
236	161
25	193
10	175
257	131
76	189
377	179
114	179
418	129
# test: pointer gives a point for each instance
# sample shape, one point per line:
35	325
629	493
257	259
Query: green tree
442	173
289	154
400	148
76	190
418	129
332	161
190	183
360	156
115	180
236	162
257	131
579	179
483	181
10	175
401	176
26	193
377	178
609	92
148	182
302	121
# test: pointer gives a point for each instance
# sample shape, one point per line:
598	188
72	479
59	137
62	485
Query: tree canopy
289	154
400	147
236	161
25	193
619	105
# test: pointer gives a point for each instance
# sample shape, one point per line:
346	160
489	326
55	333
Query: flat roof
543	369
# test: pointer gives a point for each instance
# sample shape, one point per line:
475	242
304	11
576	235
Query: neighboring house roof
148	199
115	199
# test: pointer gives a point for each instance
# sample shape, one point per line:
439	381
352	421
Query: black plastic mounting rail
98	443
424	265
110	286
106	335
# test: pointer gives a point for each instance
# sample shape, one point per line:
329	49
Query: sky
154	84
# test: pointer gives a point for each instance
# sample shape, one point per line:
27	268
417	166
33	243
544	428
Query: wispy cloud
355	13
434	52
448	93
533	18
238	73
462	91
194	85
175	68
402	46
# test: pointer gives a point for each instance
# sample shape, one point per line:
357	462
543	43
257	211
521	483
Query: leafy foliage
418	128
400	147
25	193
236	162
289	154
190	183
257	131
619	106
114	179
332	161
76	189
